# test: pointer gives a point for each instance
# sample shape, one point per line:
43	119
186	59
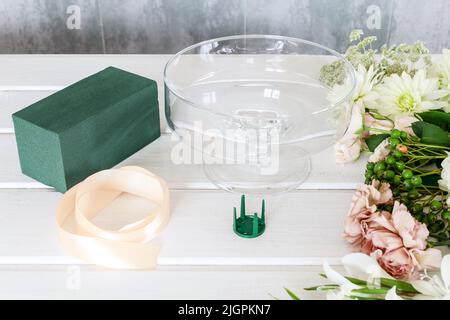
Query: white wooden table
201	257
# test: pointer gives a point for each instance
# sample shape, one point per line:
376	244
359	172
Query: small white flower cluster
392	87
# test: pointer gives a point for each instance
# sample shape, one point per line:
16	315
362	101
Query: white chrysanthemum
365	81
444	182
406	95
441	69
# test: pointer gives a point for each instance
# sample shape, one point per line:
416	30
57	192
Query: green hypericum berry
400	166
394	142
396	134
390	160
403	135
417	208
408	185
419	217
380	175
413	194
397	180
368	175
416	181
429	218
436	205
389	174
397	154
407	174
370	165
380	166
446	215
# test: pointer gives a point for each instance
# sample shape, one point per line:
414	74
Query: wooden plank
156	157
12	101
29	78
37	72
196	283
303	227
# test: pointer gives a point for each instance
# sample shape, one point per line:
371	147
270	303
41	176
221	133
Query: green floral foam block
89	126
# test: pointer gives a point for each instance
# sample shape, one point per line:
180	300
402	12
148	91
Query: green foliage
373	141
291	294
431	134
439	118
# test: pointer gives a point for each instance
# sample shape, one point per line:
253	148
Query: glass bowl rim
328	107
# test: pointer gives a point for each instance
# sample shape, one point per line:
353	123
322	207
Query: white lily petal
426	287
356	121
446	297
392	294
335	295
445	271
362	266
336	277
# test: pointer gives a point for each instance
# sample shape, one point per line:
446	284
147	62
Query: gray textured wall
166	26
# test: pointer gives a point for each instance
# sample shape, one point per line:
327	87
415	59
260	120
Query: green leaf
371	291
400	285
273	297
373	141
322	287
358	282
417	127
365	298
431	134
291	294
439	118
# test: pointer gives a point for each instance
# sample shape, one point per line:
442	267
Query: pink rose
404	123
380	152
398	263
413	233
430	258
373	123
363	208
382	239
347	149
396	239
384	191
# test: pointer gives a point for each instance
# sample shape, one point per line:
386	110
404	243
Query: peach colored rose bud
402	148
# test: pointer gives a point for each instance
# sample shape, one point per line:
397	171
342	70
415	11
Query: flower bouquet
402	212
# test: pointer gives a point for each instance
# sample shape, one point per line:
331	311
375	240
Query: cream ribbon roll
126	248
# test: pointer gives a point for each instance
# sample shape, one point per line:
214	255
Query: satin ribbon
125	248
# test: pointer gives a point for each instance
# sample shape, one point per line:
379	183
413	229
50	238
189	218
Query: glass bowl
255	109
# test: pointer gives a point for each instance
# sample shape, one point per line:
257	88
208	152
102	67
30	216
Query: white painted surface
325	174
201	257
